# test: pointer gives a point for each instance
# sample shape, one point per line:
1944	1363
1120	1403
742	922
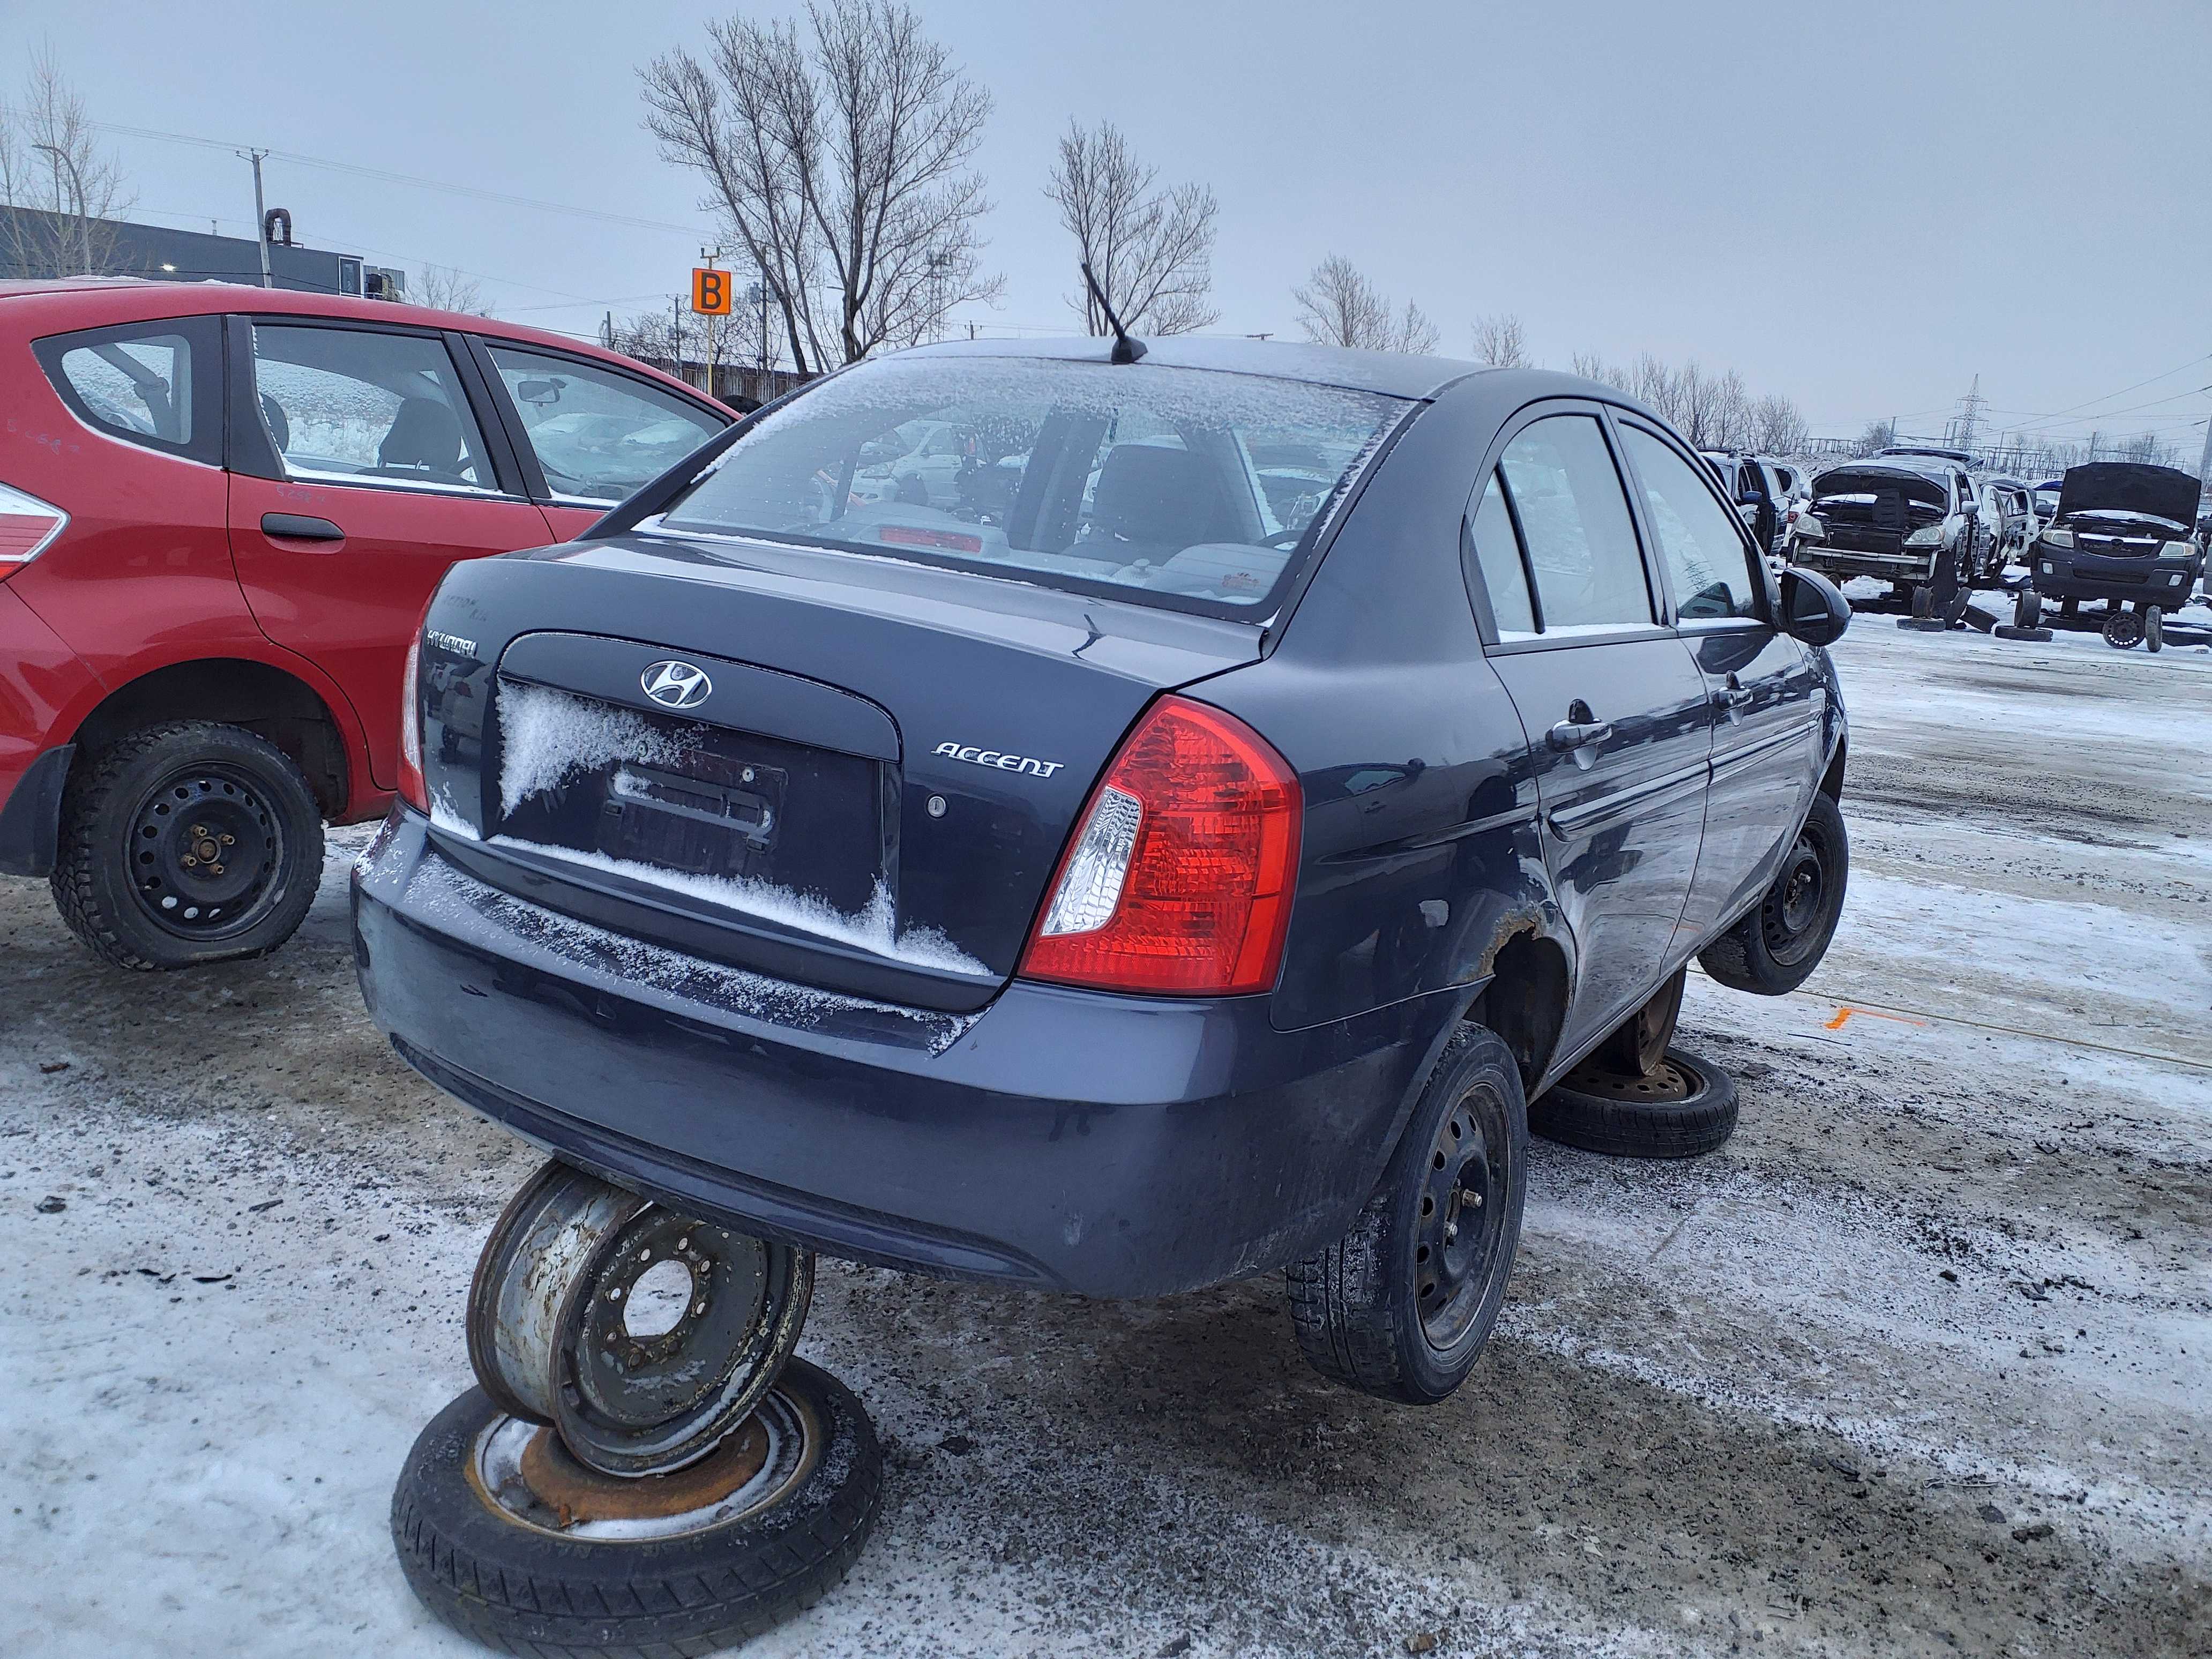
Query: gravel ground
1917	1363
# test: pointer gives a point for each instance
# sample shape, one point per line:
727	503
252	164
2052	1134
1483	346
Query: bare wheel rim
1460	1218
1791	914
204	851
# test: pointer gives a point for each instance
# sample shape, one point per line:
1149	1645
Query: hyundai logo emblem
675	685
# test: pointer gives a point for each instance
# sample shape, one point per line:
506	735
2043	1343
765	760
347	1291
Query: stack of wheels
1639	1096
2027	618
642	1468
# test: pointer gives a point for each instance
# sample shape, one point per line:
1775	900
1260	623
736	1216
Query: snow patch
547	736
874	930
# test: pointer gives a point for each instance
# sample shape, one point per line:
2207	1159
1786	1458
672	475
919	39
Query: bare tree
1777	427
839	162
68	190
1338	305
1878	435
446	289
668	337
1152	250
1500	342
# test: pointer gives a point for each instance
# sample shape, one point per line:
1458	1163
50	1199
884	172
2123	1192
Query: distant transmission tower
1970	415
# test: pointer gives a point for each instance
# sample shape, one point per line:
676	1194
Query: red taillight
27	526
1179	878
412	789
953	540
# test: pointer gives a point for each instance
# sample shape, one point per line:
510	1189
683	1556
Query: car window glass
599	434
1197	487
1574	521
1698	537
137	387
1498	559
360	407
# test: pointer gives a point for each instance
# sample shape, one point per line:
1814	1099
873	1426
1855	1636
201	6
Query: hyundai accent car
1144	877
222	509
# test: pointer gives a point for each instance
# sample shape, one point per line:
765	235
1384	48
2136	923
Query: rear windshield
1185	488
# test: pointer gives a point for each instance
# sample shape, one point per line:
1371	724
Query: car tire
2006	631
1776	945
527	1589
2154	622
120	878
1685	1109
2028	609
1400	1306
2123	629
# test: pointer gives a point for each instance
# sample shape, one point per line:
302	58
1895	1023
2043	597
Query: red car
222	510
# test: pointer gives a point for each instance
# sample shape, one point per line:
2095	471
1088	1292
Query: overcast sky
1864	206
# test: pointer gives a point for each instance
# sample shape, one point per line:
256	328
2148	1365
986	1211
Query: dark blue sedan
1171	839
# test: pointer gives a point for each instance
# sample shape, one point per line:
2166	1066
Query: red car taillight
27	524
1180	876
412	789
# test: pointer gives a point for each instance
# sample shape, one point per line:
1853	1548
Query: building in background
34	243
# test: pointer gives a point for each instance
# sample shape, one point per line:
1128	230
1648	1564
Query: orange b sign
710	291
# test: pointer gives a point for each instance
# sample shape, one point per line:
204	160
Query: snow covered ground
1918	1362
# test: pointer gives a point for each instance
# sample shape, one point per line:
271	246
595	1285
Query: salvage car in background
222	511
1908	518
2123	533
1181	876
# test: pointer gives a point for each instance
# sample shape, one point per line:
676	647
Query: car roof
58	306
1394	373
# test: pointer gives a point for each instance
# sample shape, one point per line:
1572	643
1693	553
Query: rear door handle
297	527
1733	696
1574	734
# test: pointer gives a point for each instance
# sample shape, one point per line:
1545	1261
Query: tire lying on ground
1687	1106
1780	941
484	1550
185	844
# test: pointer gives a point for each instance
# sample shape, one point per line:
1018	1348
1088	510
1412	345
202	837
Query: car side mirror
1813	609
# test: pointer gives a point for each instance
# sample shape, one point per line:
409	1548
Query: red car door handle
297	527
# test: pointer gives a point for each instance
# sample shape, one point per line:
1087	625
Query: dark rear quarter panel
1421	853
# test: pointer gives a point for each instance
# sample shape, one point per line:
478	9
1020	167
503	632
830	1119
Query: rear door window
1582	549
368	407
1699	539
153	384
599	434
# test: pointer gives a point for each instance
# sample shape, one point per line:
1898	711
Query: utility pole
62	159
2204	469
676	309
261	213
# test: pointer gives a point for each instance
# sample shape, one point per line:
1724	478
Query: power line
384	174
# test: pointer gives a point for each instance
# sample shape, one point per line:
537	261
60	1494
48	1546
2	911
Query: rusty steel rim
1666	1083
524	1474
553	1339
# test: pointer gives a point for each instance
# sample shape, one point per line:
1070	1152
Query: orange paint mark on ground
1844	1013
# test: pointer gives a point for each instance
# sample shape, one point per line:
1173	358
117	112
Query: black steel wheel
1774	948
1400	1306
519	1548
1683	1106
1638	1044
642	1335
188	844
2123	629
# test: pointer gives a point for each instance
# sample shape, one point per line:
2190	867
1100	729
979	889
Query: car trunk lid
855	774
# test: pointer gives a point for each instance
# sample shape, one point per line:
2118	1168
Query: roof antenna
1126	349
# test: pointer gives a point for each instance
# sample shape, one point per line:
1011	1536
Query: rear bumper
1069	1140
2166	582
